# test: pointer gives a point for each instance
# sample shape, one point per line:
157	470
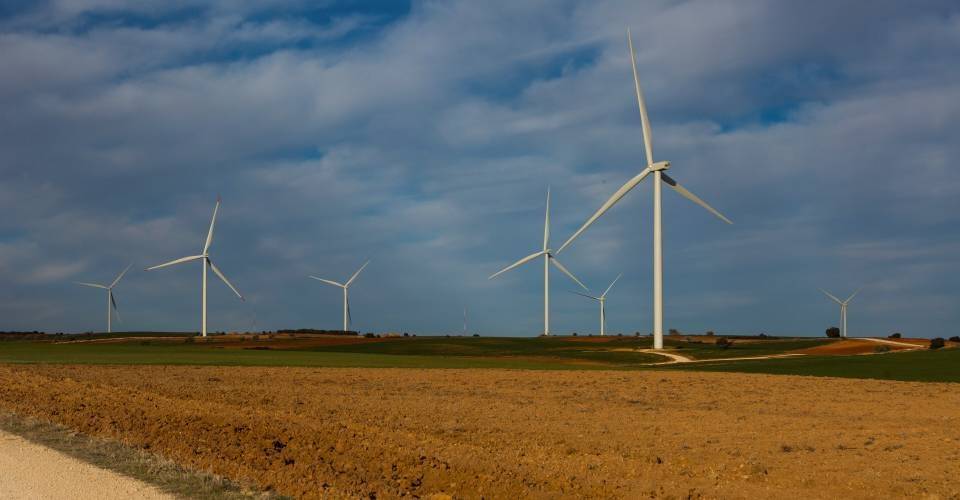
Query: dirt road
326	432
31	471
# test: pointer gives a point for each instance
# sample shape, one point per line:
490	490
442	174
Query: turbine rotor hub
660	165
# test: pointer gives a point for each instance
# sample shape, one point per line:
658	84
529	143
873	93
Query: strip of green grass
922	366
168	353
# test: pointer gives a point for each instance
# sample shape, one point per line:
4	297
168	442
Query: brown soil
297	342
509	434
848	347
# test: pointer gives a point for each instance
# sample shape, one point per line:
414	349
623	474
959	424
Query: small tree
936	343
954	339
574	334
724	343
709	333
833	332
894	335
674	331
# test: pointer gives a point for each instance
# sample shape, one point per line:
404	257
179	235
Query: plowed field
508	434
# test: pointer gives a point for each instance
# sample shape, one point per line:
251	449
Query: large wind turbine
346	297
205	257
843	309
548	258
658	169
111	302
602	299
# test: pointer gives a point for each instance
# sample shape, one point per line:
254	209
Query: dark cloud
425	139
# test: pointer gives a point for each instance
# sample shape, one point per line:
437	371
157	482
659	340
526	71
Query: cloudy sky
423	136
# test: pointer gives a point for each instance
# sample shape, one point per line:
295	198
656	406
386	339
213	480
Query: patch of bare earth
848	347
506	434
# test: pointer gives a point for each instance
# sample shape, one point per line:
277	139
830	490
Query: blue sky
423	136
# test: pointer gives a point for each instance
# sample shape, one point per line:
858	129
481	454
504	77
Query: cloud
425	139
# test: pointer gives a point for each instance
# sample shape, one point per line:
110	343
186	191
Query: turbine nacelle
660	165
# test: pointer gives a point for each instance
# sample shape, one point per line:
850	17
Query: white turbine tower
111	302
843	309
602	299
346	298
548	258
205	258
658	170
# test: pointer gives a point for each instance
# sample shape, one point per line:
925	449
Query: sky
423	136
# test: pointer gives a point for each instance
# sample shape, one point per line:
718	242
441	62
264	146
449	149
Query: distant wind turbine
658	169
111	302
346	298
205	257
843	309
548	258
602	299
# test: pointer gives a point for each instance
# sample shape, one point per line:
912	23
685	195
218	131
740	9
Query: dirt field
849	347
507	434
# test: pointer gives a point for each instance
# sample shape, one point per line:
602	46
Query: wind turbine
548	258
346	297
602	299
843	309
205	257
658	169
111	302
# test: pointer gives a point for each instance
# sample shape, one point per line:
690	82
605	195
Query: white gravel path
34	472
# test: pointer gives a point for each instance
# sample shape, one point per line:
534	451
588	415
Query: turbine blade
690	196
224	278
585	295
644	120
174	262
350	281
852	296
94	285
120	276
522	261
611	285
334	283
546	223
632	183
213	222
349	314
557	263
838	301
114	302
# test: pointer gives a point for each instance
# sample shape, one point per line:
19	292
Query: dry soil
509	434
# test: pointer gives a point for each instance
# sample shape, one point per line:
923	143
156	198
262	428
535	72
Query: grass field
922	366
555	353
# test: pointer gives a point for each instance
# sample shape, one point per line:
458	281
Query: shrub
636	334
724	343
476	334
674	331
188	340
368	335
881	348
574	334
954	339
936	343
894	335
763	335
833	332
619	335
709	333
405	334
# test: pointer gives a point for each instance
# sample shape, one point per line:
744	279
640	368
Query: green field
563	353
942	365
